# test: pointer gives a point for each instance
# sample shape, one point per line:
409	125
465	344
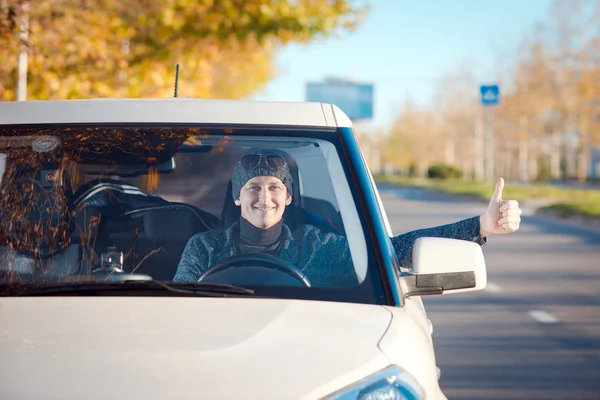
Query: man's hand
501	216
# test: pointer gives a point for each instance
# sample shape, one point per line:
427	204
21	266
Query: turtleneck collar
250	234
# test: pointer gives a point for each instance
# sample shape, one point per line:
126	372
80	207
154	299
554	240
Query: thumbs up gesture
501	216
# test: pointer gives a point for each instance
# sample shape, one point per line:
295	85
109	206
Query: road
534	333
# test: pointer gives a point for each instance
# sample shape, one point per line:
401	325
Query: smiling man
263	200
262	187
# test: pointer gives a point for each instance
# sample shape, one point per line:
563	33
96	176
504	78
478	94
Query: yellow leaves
168	17
222	144
588	86
128	49
193	141
151	180
266	11
250	8
173	19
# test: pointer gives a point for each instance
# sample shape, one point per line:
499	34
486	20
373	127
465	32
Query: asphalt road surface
534	332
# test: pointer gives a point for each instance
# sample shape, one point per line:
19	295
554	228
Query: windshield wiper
210	287
100	287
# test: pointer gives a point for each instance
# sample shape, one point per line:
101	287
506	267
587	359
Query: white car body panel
409	337
173	110
444	255
190	348
194	348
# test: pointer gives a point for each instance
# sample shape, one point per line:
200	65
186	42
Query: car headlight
391	383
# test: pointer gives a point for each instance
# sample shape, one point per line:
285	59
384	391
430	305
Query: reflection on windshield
96	201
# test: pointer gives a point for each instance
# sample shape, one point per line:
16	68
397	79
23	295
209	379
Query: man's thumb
497	197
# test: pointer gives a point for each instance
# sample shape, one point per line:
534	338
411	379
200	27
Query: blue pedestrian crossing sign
490	95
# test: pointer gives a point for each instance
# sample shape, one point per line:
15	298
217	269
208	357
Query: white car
98	200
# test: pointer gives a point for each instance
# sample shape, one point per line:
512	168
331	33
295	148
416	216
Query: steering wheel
254	264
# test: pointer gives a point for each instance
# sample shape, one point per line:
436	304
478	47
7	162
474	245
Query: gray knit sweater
323	257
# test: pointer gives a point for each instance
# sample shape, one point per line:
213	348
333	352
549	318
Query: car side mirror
444	266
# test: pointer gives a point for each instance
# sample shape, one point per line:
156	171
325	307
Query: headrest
230	213
171	223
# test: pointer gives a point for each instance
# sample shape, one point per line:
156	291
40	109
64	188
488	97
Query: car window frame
374	289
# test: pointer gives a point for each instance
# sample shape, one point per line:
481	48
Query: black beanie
242	175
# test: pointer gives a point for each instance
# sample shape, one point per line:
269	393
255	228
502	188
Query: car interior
50	231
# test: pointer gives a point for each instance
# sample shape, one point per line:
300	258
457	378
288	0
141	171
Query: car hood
147	348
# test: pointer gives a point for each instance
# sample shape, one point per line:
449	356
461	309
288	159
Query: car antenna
176	79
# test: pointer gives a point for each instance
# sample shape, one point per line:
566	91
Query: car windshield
161	201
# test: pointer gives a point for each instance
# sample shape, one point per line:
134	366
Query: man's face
263	200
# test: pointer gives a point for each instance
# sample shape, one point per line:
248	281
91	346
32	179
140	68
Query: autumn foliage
548	121
102	48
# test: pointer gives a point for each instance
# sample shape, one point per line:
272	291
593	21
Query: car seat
150	231
164	230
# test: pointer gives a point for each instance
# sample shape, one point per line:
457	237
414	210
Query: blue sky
405	46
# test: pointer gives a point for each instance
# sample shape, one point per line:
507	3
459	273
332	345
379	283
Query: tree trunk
555	155
490	158
583	151
479	145
523	150
23	49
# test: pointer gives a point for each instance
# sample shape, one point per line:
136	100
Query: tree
413	140
96	48
458	113
550	111
571	39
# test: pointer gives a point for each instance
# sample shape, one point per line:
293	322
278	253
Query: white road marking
492	287
543	317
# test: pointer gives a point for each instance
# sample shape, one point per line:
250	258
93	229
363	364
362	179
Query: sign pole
490	96
479	145
490	146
